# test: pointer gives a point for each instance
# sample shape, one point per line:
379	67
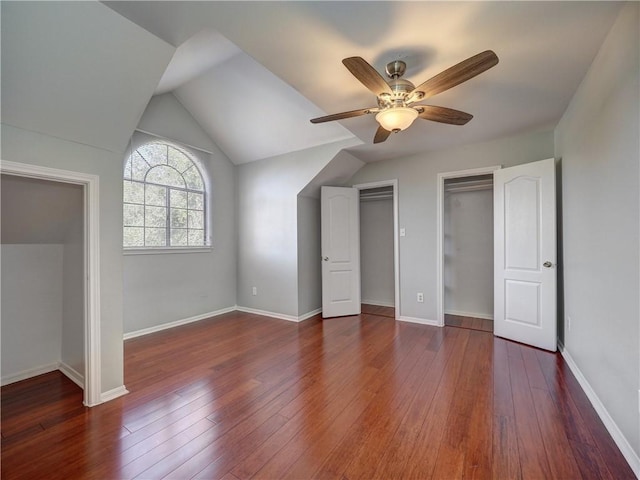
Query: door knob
547	264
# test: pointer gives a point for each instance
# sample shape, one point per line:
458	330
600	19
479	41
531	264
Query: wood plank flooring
365	397
472	323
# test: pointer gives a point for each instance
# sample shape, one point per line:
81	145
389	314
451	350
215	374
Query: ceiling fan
397	107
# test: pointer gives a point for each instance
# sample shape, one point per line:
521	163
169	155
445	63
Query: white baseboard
280	316
31	372
422	321
618	437
484	316
72	374
177	323
378	303
113	394
310	314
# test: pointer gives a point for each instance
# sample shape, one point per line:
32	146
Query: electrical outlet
420	297
568	323
403	232
254	291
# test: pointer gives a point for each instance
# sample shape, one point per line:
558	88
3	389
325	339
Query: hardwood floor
471	323
243	396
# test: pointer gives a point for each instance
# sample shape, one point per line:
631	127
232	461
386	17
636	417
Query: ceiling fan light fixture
396	119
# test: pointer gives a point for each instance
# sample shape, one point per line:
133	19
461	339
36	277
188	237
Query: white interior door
340	251
525	254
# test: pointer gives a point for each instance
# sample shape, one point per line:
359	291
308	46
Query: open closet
468	252
377	251
43	288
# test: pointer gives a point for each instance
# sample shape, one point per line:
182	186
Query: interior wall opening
377	261
43	284
468	252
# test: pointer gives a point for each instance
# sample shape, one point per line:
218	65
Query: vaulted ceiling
253	73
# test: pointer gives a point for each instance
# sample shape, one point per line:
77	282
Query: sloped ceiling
545	48
38	211
78	71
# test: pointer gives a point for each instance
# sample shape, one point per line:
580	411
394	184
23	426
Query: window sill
164	250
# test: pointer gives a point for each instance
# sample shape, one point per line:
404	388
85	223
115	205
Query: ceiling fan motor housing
400	88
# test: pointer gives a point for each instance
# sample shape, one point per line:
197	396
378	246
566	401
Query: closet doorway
78	296
378	249
465	251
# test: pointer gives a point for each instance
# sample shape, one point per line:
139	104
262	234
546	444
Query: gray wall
267	202
417	189
163	288
31	307
468	253
376	252
597	141
309	266
73	318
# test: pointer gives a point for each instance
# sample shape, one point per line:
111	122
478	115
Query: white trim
378	303
421	321
618	437
177	323
440	231
162	250
91	184
31	372
113	394
265	313
485	316
396	234
310	314
72	374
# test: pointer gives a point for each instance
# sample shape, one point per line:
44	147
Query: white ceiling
254	73
77	70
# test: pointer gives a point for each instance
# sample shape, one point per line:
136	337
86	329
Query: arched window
165	199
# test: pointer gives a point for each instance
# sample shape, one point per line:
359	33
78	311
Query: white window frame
206	193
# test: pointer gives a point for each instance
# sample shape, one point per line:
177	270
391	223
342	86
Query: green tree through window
164	199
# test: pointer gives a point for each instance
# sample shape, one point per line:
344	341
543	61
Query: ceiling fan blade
381	135
342	115
463	71
442	114
367	75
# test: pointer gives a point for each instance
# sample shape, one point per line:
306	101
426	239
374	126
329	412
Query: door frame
472	172
91	207
396	247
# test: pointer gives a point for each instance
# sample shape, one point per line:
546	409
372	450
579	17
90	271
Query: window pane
155	237
138	167
196	219
155	195
133	215
179	160
196	201
164	175
178	237
193	178
127	169
178	218
133	237
154	153
155	216
196	237
133	192
178	199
